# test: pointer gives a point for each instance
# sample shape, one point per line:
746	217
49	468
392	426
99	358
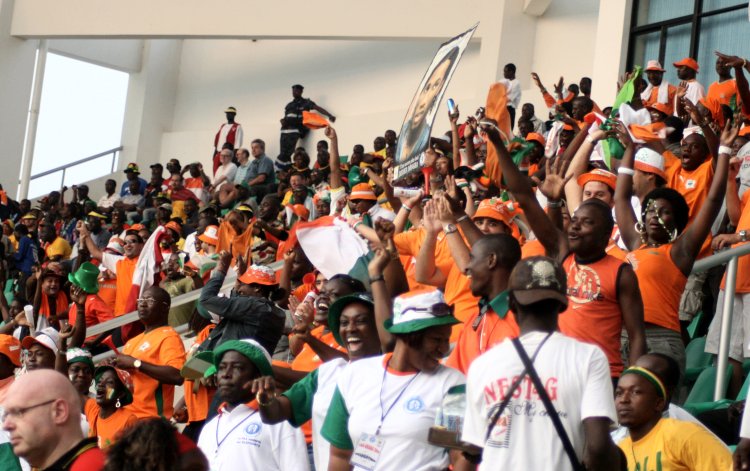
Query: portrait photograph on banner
415	130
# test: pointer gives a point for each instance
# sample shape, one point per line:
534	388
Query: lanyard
218	422
383	415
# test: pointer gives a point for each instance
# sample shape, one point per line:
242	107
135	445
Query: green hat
86	278
335	310
249	348
80	355
415	311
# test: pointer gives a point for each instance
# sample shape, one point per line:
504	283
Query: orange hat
137	227
745	131
535	137
260	275
598	175
654	65
497	209
567	127
11	348
650	161
313	120
714	106
362	191
687	62
661	107
300	211
174	226
210	235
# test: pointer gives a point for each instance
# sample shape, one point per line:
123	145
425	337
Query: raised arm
581	148
686	247
554	241
426	271
455	138
333	158
380	293
85	237
739	65
323	111
626	218
705	124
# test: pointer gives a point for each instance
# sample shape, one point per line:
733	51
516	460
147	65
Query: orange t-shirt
743	263
661	283
693	186
593	314
655	97
198	402
108	430
238	243
125	268
482	332
723	92
307	359
161	346
97	311
458	294
108	292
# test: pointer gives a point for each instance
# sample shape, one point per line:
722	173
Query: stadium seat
703	389
696	359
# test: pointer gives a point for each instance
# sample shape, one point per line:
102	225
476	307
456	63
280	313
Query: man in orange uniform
658	90
492	259
153	358
724	90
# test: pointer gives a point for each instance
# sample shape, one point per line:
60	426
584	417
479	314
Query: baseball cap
537	279
132	167
362	191
157	165
419	310
687	62
47	338
649	161
335	310
654	65
94	214
599	175
210	235
165	206
661	107
11	348
536	137
249	348
260	275
175	226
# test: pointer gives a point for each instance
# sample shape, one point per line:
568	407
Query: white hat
654	65
47	337
417	310
649	161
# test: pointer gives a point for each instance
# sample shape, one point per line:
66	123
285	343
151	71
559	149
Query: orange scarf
61	305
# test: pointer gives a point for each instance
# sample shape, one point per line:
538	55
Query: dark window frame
661	27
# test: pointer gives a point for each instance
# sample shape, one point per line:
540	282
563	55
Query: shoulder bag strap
567	445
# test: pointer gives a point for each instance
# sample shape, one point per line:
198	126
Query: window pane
709	5
646	48
81	114
728	33
678	46
651	11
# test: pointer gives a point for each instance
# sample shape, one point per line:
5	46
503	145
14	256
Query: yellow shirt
676	445
59	247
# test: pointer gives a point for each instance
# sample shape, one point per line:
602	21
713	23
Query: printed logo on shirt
414	405
253	429
584	284
690	184
144	346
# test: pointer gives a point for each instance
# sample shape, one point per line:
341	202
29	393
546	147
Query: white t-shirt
414	398
227	171
577	379
328	373
108	201
240	440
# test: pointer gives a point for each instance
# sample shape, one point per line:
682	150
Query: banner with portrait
415	131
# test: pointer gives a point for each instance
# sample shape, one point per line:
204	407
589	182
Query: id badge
367	452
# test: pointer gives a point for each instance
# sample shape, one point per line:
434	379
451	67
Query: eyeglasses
148	301
436	310
19	412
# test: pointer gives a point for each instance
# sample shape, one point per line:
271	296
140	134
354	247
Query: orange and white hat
598	175
210	235
536	137
649	161
687	62
661	107
48	338
11	348
497	209
115	246
654	65
259	275
362	191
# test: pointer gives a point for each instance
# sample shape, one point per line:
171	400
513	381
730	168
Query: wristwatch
743	235
137	364
449	229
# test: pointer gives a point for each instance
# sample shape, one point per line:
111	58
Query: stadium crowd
524	302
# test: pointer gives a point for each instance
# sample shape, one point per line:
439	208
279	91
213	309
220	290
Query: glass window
652	11
709	5
81	114
678	47
645	48
728	33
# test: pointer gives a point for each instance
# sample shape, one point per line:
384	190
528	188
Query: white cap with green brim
419	310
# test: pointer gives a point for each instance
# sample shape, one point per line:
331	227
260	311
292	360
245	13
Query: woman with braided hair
663	247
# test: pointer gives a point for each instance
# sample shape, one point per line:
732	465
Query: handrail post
726	327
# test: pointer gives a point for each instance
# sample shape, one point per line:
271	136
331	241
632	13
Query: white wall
367	84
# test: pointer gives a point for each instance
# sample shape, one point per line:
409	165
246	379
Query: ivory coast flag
497	108
333	247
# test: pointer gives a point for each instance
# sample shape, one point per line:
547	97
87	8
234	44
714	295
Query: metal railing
176	301
63	168
730	257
